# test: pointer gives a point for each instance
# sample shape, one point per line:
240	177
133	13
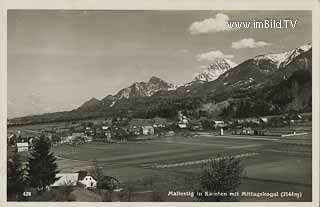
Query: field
271	164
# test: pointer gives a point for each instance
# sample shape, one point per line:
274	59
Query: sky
58	59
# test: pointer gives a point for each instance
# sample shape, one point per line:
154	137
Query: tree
42	167
222	176
15	178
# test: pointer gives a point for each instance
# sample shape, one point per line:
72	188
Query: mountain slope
215	69
274	86
143	89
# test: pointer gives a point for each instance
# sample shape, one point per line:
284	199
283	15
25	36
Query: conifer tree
15	178
42	168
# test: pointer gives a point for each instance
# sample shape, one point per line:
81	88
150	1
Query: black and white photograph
159	105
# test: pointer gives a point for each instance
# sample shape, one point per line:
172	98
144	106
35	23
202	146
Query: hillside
273	84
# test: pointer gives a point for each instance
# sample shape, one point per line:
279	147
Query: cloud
211	25
212	55
248	43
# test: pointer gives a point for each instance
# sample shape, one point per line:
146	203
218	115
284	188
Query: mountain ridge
240	81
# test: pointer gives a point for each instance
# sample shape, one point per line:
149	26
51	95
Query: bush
222	176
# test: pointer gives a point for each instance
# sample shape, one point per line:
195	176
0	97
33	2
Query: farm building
66	179
182	125
147	130
135	131
136	123
87	180
243	131
22	146
217	124
105	127
110	183
77	135
159	122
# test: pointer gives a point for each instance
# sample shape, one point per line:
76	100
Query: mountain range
280	81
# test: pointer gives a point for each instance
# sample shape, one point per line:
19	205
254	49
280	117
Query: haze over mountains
281	81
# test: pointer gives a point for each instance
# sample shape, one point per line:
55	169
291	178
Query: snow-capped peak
215	69
282	59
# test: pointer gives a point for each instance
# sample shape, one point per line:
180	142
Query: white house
105	127
66	179
264	119
218	124
88	181
147	130
22	146
182	125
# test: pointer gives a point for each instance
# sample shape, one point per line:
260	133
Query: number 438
26	194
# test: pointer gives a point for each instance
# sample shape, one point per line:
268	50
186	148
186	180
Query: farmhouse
66	179
263	120
159	122
105	127
217	124
147	130
243	131
87	180
22	146
182	125
108	182
136	123
77	135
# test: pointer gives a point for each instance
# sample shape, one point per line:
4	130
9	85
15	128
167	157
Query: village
121	129
67	138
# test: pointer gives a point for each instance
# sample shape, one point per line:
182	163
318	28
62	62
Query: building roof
22	144
159	120
83	174
141	122
69	179
147	127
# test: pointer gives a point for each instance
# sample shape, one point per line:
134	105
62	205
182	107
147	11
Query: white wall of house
89	182
22	146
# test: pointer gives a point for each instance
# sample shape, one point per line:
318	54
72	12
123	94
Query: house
105	127
147	130
87	180
22	146
182	118
247	131
263	120
159	122
109	183
218	124
66	179
182	125
134	131
137	123
69	139
243	131
77	135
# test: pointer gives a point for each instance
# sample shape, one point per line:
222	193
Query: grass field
278	165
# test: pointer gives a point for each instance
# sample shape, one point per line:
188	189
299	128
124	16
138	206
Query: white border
162	5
